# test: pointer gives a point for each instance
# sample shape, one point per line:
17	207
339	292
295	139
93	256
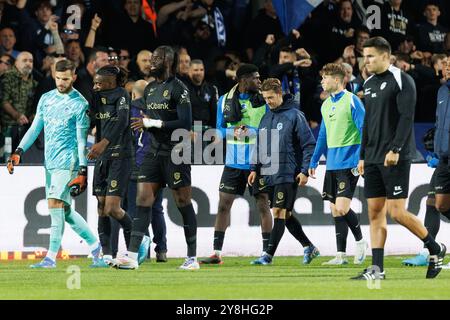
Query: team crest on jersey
261	181
122	100
342	185
103	100
177	176
113	183
279	126
166	93
383	85
280	195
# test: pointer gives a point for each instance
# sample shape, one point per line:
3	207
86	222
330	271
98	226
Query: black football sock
352	221
276	235
141	222
432	221
104	233
219	236
295	228
378	258
265	240
431	244
190	229
127	225
341	228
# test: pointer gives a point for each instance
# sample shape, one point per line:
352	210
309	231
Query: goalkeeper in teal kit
62	113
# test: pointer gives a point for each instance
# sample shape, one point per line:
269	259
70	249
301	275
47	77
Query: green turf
235	279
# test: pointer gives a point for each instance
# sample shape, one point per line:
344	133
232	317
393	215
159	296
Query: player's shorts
234	181
339	183
160	169
442	178
283	195
56	184
111	177
389	182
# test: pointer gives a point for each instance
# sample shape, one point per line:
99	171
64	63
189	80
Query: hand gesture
96	21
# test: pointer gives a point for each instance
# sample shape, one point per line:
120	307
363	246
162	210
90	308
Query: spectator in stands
84	83
184	63
362	34
126	25
141	69
292	67
17	101
36	36
395	23
175	16
7	42
74	53
113	57
203	96
69	32
124	58
265	23
430	34
342	31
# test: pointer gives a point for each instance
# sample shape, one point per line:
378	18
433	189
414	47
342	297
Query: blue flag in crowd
292	13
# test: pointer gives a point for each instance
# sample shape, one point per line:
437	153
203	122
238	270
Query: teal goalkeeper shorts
56	181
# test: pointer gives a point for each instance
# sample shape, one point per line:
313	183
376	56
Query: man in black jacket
387	149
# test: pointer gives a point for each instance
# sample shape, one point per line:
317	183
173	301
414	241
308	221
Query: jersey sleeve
358	113
82	125
35	129
406	103
321	146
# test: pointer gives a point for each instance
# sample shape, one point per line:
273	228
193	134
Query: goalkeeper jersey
65	122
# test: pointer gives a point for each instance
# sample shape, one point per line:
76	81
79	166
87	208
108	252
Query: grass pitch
235	279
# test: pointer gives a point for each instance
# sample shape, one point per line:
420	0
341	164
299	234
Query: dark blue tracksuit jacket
295	143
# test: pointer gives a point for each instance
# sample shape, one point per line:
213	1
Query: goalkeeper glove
14	160
79	184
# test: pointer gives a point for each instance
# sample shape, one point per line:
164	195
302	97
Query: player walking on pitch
62	113
340	139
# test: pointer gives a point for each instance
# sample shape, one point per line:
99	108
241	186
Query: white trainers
125	263
361	251
340	259
190	264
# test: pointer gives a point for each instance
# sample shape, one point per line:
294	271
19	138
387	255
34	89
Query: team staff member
112	152
340	139
296	146
168	108
387	149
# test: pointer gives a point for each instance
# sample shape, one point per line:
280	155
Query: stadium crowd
212	37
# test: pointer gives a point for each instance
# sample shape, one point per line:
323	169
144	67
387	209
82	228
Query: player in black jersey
112	152
387	149
167	109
